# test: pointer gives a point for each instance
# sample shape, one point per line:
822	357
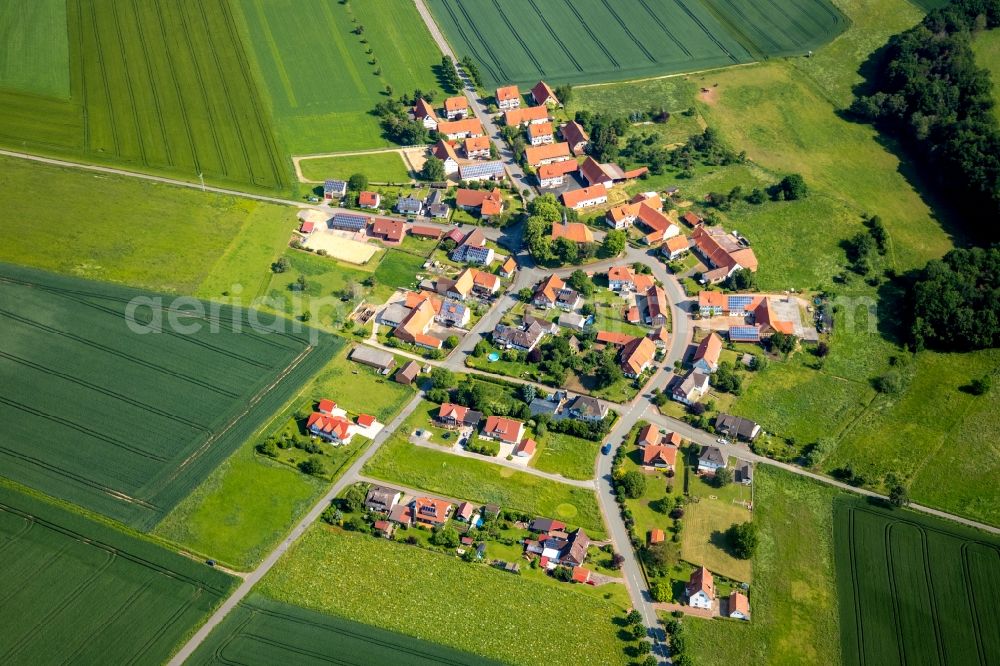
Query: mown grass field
159	410
250	502
379	167
261	631
24	66
464	478
914	589
157	86
793	595
81	590
573	457
596	40
319	78
705	522
439	598
138	233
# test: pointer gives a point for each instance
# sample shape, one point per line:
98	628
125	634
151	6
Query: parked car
606	449
462	441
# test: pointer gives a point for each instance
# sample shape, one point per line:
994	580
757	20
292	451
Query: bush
661	590
743	539
632	484
313	465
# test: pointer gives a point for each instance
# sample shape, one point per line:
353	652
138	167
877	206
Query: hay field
24	24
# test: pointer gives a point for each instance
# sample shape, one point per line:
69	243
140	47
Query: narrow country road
350	476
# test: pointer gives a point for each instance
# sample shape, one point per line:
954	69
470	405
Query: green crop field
127	423
78	590
465	478
585	41
439	598
157	86
137	232
319	75
914	589
262	632
26	66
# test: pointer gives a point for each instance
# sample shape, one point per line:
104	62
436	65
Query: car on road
606	449
721	440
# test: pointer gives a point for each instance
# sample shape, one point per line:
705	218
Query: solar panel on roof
739	302
744	333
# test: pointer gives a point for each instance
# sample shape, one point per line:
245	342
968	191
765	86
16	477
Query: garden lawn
464	478
347	575
703	540
318	76
379	167
358	388
793	599
398	270
24	24
137	232
326	279
559	453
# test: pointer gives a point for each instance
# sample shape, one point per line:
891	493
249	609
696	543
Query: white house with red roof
543	94
508	97
701	589
331	423
502	429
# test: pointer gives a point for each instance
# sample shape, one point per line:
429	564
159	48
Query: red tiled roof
422	109
367	198
722	249
656	536
507	93
526	446
431	510
549	287
307	227
444	151
391	230
535	155
331	425
578	232
617	339
427	232
637	355
655	453
457	103
504	429
486	280
466	125
541	129
542	92
452	411
327	405
554	169
580	575
510	265
575	197
476	144
365	420
574	133
709	349
516	117
677	243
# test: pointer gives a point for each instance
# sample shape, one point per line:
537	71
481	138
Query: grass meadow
705	522
138	233
349	575
261	632
914	589
559	453
79	589
986	46
160	410
250	502
164	87
793	595
24	67
319	77
379	167
464	478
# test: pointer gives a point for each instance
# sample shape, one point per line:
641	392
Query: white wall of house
700	600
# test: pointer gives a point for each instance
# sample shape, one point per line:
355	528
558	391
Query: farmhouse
431	512
623	278
660	457
636	356
710	460
348	221
723	252
334	189
676	246
424	112
554	174
691	389
487	203
706	356
577	137
701	589
586	408
445	152
477	147
524	338
414	327
586	197
528	116
736	426
657	306
380	360
456	107
492	170
461	129
409	206
390	231
456	416
548	153
508	97
369	199
503	429
544	95
540	134
547	291
382	500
